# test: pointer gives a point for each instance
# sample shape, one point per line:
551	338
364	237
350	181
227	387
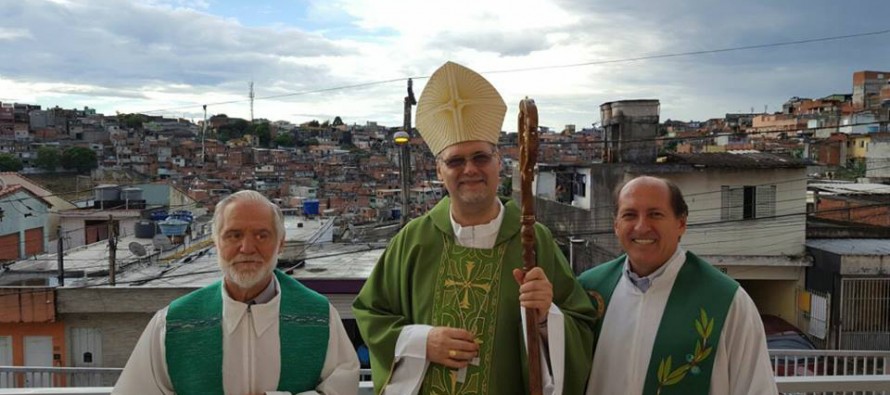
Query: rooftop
852	246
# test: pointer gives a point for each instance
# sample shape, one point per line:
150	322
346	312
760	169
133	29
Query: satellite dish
137	249
161	243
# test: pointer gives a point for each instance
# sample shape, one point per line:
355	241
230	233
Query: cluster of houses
767	206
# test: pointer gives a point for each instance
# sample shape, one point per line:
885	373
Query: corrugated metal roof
852	246
852	188
742	160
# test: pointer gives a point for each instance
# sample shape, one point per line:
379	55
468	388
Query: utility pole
112	252
60	258
405	155
203	133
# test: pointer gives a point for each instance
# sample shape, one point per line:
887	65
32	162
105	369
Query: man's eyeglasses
479	159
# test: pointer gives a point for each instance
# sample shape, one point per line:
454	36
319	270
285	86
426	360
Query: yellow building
857	146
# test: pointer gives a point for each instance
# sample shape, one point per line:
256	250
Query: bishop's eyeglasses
479	159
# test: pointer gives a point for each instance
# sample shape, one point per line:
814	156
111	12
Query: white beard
246	279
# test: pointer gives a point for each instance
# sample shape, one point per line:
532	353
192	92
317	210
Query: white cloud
160	54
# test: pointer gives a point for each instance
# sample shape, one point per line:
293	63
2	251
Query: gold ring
452	353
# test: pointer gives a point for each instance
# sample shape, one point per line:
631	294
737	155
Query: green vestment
689	331
425	278
194	338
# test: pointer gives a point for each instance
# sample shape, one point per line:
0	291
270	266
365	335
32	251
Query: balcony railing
826	372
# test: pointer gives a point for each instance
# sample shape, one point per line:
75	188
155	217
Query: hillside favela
107	218
116	218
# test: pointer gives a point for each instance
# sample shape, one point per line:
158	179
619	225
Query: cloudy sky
313	59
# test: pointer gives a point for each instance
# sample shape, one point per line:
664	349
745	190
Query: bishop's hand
451	347
535	291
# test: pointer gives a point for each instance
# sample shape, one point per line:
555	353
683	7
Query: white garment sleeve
146	370
741	365
553	378
409	362
339	374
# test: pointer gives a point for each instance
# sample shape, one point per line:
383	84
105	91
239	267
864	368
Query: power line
552	67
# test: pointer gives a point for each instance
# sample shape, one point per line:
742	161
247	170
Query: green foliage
284	140
262	132
337	121
79	159
234	129
132	121
48	158
9	162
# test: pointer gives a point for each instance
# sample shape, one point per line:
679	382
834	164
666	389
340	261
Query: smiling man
441	312
256	331
670	323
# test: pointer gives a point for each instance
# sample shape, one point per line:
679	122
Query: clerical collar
643	283
478	236
267	294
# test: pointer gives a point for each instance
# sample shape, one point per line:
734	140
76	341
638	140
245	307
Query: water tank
131	194
145	229
107	192
310	207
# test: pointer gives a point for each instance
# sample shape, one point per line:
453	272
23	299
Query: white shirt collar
644	282
264	312
478	236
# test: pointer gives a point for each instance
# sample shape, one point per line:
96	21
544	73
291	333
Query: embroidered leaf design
664	369
699	328
697	349
709	328
677	375
706	353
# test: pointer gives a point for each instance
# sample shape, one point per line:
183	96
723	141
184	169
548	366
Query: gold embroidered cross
464	282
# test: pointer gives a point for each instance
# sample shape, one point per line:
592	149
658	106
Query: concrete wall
119	333
707	234
119	314
776	297
21	211
877	159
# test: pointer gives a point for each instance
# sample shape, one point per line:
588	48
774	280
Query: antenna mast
251	101
203	133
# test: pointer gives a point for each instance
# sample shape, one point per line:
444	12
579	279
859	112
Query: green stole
466	298
194	338
682	356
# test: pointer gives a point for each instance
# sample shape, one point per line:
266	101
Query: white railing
34	380
831	372
841	380
829	362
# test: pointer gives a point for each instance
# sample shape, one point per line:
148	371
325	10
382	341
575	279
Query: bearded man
255	331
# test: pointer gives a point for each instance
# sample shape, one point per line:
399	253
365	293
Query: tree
262	132
9	162
337	121
132	121
48	158
79	159
284	140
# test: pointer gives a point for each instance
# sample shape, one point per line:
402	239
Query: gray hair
246	195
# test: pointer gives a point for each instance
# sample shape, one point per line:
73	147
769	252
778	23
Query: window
747	202
580	185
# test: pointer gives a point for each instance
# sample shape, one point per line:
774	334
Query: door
86	352
38	352
6	380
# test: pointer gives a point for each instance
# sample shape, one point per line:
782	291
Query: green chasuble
194	330
424	277
689	332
